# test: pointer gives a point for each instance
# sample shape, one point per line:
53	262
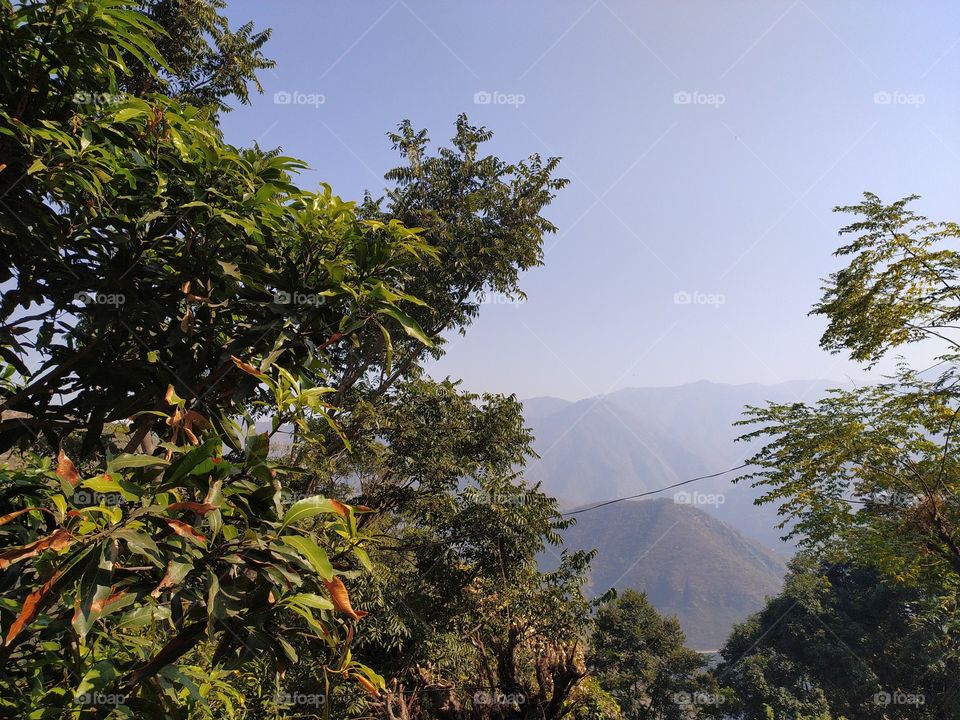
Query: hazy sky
707	144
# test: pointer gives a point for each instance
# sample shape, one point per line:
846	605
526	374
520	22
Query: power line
654	492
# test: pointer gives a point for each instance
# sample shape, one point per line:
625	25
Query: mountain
689	563
640	439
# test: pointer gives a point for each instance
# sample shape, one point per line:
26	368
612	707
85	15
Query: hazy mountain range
703	552
690	564
640	439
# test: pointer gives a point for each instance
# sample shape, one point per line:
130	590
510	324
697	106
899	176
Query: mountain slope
690	564
640	439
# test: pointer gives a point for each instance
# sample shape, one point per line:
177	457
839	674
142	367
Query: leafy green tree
206	62
639	657
462	619
869	479
145	258
844	642
872	473
133	232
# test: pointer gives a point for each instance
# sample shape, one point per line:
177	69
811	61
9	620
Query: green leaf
317	602
308	507
96	678
410	326
126	460
315	554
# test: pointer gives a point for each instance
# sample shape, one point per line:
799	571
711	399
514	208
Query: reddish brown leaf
17	513
98	605
247	368
59	540
341	599
340	507
367	685
330	341
184	530
31	608
170	579
66	470
186	321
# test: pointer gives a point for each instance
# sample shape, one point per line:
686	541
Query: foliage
841	641
132	230
205	60
872	473
145	257
461	616
870	476
110	581
638	656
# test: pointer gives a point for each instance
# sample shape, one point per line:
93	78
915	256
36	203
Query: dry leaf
341	599
184	530
31	607
66	470
59	540
367	685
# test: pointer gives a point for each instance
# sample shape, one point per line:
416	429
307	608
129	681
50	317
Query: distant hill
639	439
690	564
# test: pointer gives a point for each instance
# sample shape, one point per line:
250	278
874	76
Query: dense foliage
870	477
229	489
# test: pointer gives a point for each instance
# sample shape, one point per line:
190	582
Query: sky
706	143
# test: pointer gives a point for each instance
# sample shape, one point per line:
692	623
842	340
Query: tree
149	260
462	619
206	62
638	656
163	291
841	641
132	229
872	473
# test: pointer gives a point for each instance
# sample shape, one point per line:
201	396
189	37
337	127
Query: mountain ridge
690	564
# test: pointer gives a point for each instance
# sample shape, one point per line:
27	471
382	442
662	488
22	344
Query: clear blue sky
706	142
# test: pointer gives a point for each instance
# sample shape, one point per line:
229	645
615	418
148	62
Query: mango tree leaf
315	554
